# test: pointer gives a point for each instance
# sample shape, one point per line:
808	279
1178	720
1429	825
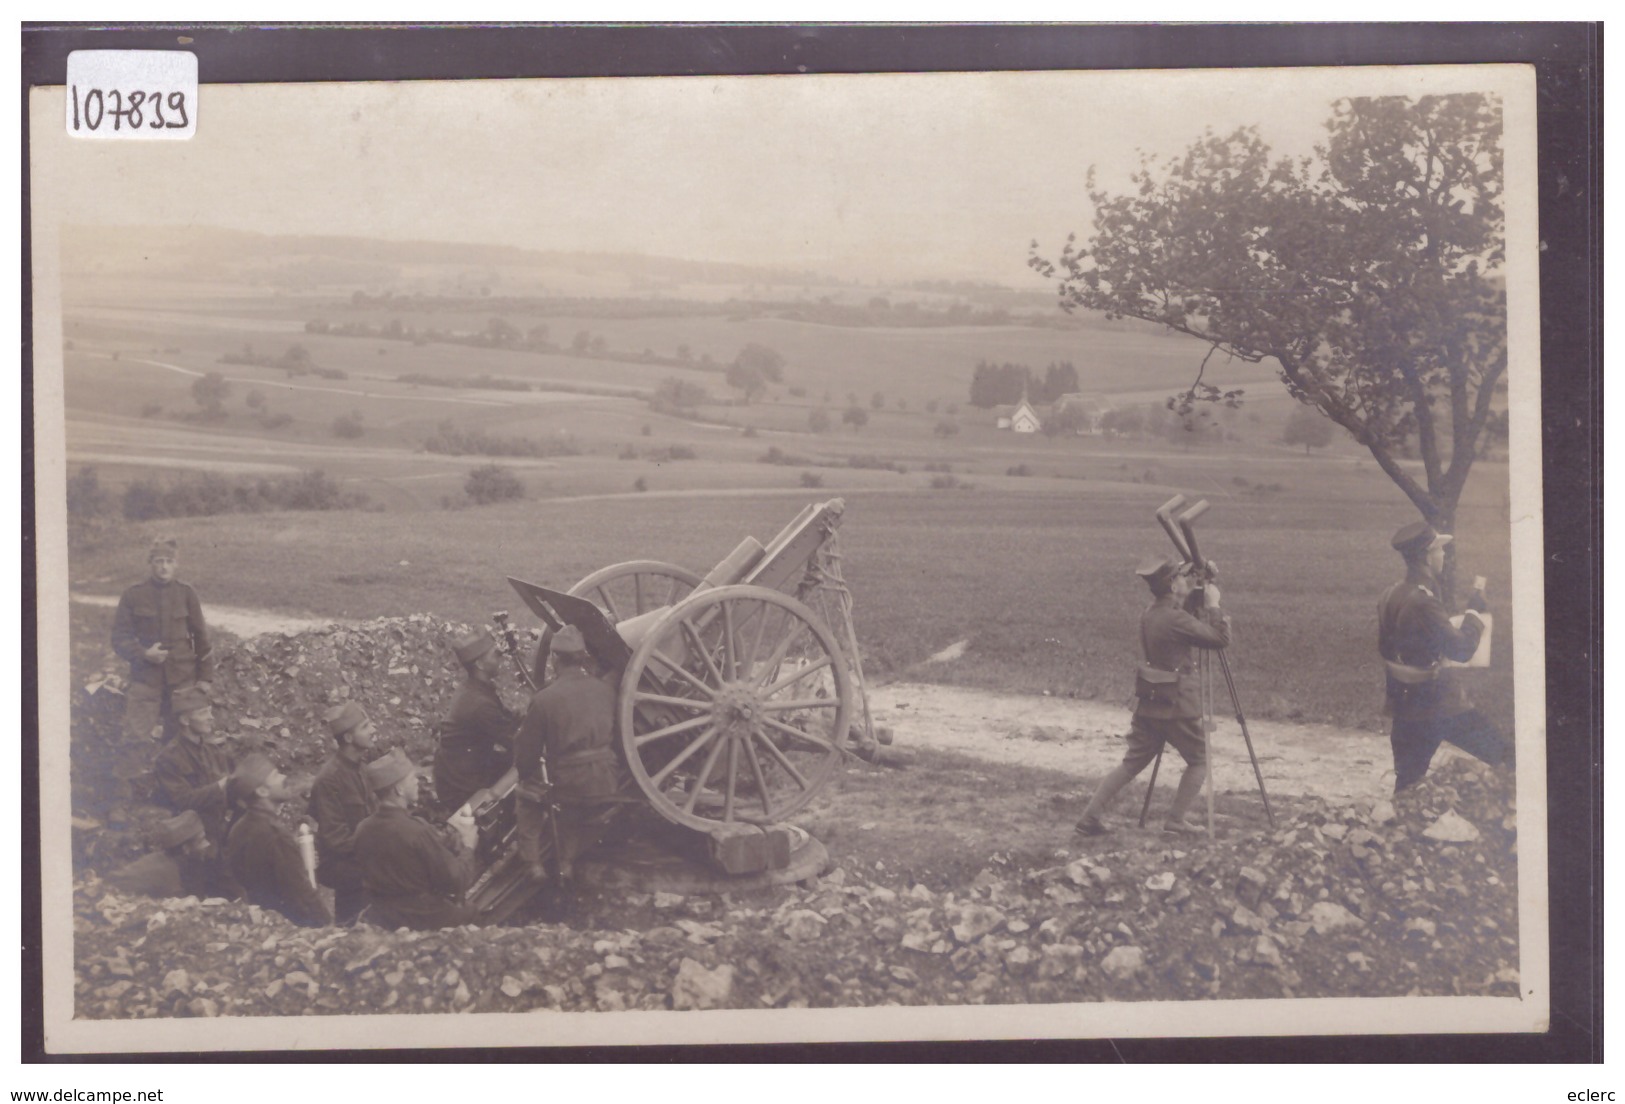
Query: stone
803	924
1161	883
696	987
904	975
1060	960
667	900
969	922
1251	885
1123	963
1266	952
177	981
1333	831
1423	927
1326	917
1246	919
1451	828
1021	960
510	986
738	848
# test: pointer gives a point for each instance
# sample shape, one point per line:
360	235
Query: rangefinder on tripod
1179	522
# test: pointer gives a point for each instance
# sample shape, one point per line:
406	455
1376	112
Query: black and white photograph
790	558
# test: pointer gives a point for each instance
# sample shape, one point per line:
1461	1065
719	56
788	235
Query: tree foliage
1307	428
210	391
1369	273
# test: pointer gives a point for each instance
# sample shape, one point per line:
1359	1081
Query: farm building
1021	417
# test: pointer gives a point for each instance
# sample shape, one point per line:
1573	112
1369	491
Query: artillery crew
340	799
476	736
571	722
262	853
1169	707
193	768
414	873
159	630
1428	703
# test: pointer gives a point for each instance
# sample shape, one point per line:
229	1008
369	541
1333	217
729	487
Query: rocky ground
1372	898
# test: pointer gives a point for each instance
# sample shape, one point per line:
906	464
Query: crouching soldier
340	800
414	873
477	735
184	864
262	854
193	768
1169	709
571	722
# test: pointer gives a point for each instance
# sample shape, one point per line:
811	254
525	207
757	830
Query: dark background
1568	62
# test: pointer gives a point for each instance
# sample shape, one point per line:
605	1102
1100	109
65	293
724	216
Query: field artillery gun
739	695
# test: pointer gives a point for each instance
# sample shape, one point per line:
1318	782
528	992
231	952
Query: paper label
132	94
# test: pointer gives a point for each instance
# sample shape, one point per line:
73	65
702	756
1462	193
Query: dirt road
1085	738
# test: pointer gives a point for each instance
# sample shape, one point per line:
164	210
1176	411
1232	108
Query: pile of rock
1414	896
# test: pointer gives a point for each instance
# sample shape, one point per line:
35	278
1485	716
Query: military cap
389	769
342	718
1159	569
473	646
163	546
189	699
249	776
178	829
568	641
1418	537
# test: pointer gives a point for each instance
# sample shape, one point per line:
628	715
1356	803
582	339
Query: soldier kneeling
184	865
261	851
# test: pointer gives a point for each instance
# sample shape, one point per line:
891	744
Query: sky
868	176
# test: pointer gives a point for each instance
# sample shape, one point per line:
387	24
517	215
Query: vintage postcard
789	559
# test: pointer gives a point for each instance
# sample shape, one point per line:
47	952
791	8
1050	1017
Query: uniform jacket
410	868
190	775
572	720
264	858
1169	634
163	613
340	800
1413	628
475	739
156	874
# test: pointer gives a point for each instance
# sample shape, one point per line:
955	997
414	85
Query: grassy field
1038	581
1029	557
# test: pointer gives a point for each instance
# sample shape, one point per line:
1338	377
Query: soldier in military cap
476	736
192	768
572	722
184	864
262	853
415	873
159	630
340	800
1429	703
1169	707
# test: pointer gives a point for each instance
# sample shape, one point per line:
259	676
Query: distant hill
213	253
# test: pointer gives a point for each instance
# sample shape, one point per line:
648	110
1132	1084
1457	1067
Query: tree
492	483
766	362
210	391
746	378
1123	420
946	428
877	401
1063	421
1059	379
818	420
1369	273
1305	427
856	417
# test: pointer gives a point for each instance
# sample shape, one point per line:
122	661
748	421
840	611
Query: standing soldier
1169	692
159	630
262	854
415	873
340	800
477	735
192	768
572	722
1429	704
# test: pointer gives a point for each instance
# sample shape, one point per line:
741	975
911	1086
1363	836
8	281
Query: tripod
1209	693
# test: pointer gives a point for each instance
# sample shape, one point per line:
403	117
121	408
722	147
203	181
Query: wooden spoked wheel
734	708
625	590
